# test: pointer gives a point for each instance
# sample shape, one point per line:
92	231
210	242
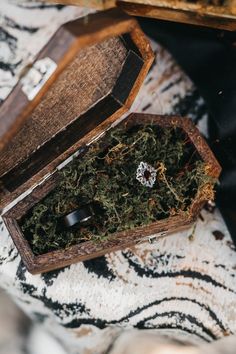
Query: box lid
85	78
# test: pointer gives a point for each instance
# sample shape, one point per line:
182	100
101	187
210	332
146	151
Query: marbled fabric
180	285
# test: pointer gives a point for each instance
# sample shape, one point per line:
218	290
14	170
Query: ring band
79	216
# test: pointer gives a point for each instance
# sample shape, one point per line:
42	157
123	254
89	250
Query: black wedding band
79	216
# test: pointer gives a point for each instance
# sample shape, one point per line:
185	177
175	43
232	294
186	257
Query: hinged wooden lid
86	77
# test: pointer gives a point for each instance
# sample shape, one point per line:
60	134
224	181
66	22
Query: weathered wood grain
96	4
216	14
62	48
196	13
86	94
88	79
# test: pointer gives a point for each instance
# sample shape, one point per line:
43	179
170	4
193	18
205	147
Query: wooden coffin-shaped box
91	248
79	86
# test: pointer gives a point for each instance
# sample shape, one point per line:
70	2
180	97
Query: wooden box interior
90	249
111	59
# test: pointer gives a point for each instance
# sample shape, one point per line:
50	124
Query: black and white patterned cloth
177	285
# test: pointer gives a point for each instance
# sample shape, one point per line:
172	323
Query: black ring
78	216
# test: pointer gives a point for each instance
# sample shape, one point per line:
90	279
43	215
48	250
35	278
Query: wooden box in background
216	14
213	13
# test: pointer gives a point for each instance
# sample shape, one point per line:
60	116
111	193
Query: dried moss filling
106	173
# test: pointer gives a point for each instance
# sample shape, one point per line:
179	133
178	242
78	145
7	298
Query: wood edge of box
19	241
202	147
216	21
65	257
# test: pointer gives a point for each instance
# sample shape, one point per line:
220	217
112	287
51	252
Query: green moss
107	174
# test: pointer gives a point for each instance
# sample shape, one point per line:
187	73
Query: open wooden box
100	66
116	241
